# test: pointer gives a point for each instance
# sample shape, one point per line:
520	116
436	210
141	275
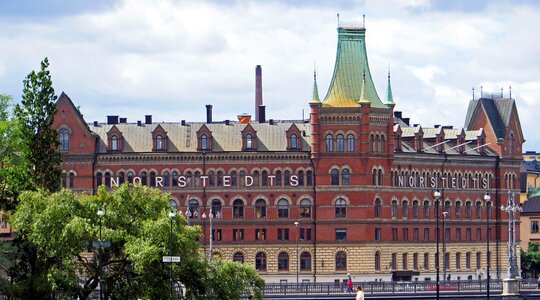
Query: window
447	234
468	234
377	207
458	260
64	180
446	262
260	234
283	208
64	139
72	179
415	261
468	260
458	210
264	178
394	234
341	208
405	210
534	226
426	209
294	141
143	178
287	178
478	234
394	209
305	208
260	209
249	141
345	177
121	177
283	234
415	209
478	260
350	143
405	232
305	234
283	261
260	261
216	208
238	209
99	179
305	261
404	261
468	210
239	257
377	260
108	179
175	178
159	142
341	261
415	234
426	234
458	234
216	235
309	178
478	210
393	262
329	143
341	234
238	234
193	208
339	143
153	179
334	176
204	142
166	178
377	234
130	177
426	261
114	143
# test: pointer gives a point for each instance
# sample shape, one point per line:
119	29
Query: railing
388	288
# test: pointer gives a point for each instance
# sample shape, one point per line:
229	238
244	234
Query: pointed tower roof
351	61
363	90
315	95
389	97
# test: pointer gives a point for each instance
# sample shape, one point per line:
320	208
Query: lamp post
296	234
511	209
171	216
445	215
437	196
487	198
211	217
100	214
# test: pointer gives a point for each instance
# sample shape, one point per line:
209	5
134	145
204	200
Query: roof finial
315	94
473	92
338	20
481	91
510	88
364	21
502	92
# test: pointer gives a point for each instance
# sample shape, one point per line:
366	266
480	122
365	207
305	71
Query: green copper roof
351	63
389	97
315	96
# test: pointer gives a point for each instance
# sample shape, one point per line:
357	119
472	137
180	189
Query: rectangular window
377	234
458	234
478	234
405	232
468	234
534	226
238	234
283	234
458	260
394	261
415	234
478	260
305	234
404	261
447	234
468	260
260	234
341	234
415	261
394	234
216	235
426	234
426	261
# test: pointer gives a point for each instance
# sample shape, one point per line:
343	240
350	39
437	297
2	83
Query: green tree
530	260
40	141
12	165
63	226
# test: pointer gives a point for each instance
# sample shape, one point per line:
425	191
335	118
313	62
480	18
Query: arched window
283	261
159	142
260	261
426	209
334	177
175	178
458	210
294	141
130	177
283	208
287	178
278	178
152	179
329	143
341	261
345	177
379	177
219	178
339	143
478	210
511	144
64	139
447	207
234	178
300	176
143	178
249	141
264	178
371	143
377	207
341	208
64	180
405	209
193	208
350	143
309	178
260	209
99	179
71	180
204	142
305	208
121	177
108	179
374	177
239	257
114	143
216	208
305	261
166	178
238	209
393	209
381	144
211	179
468	209
415	209
377	260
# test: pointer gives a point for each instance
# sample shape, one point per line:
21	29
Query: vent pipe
208	113
258	92
262	114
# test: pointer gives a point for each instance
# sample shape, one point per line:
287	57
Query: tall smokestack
258	91
208	113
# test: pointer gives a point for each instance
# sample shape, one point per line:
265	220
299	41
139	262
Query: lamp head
437	194
487	197
171	213
100	212
296	223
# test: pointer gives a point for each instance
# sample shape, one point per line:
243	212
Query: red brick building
353	185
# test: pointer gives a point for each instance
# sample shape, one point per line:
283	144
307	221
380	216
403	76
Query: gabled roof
498	111
531	206
65	98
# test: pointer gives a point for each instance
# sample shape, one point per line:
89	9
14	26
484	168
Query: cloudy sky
169	58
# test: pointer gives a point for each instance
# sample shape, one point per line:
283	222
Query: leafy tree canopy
65	229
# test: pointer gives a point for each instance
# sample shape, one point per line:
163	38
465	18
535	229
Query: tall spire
363	90
315	95
389	97
351	63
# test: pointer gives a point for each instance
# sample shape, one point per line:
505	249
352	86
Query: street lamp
445	262
211	216
296	233
511	209
487	198
437	196
171	216
100	214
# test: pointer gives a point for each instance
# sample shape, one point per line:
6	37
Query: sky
169	58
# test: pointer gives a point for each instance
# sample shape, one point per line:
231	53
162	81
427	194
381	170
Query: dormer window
204	137
294	141
249	138
114	143
159	142
114	137
159	139
204	142
249	141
